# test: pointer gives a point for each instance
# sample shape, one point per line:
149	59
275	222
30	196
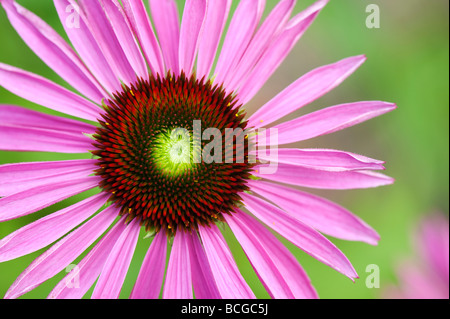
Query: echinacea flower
136	84
426	275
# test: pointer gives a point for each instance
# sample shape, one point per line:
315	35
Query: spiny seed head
149	154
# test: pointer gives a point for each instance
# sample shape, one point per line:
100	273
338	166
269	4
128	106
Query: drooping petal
167	24
319	213
306	89
216	17
53	50
202	278
61	254
116	266
81	278
46	230
275	265
239	34
191	25
178	283
278	51
229	280
41	91
330	120
37	198
308	177
300	234
322	159
149	282
142	27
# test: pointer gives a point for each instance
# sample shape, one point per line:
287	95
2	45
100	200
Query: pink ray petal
37	198
202	277
301	235
319	213
46	230
78	281
151	276
228	279
53	50
306	89
116	266
61	254
275	265
41	91
178	283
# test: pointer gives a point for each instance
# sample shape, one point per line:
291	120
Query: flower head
173	150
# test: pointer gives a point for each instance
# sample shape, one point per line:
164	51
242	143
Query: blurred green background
407	64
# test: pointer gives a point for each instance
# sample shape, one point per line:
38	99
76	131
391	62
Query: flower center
173	152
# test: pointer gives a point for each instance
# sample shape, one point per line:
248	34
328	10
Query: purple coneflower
135	85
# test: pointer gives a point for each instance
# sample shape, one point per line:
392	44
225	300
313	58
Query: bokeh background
407	64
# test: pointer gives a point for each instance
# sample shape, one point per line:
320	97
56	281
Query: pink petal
46	230
193	17
151	276
306	89
178	283
37	198
15	178
142	27
322	159
102	31
321	214
301	235
330	120
167	24
116	266
90	267
125	36
278	51
308	177
228	279
41	91
215	20
239	34
53	50
61	254
275	265
202	277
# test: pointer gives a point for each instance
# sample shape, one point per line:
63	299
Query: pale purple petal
53	50
61	254
85	44
178	283
80	279
239	34
330	120
300	234
278	51
193	17
228	279
46	230
116	266
306	89
102	31
167	25
142	27
37	198
202	277
275	265
216	18
41	91
321	159
313	178
319	213
149	282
